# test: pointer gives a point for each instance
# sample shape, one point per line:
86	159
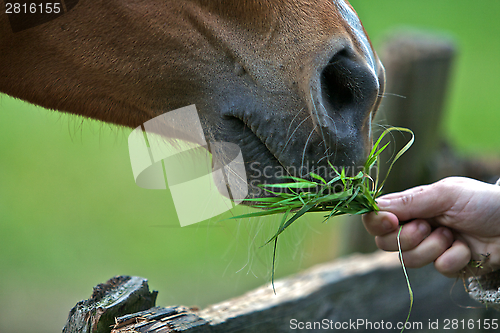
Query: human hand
451	222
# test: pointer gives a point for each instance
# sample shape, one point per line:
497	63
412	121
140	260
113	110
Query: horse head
294	83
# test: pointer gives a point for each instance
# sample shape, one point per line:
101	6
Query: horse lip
254	128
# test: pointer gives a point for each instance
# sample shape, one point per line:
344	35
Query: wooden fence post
418	69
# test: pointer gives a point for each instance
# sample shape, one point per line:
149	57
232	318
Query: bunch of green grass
299	196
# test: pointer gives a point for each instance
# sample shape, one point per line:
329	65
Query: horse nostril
349	88
343	96
336	83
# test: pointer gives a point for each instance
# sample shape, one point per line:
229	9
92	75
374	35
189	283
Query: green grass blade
357	177
290	202
318	177
334	180
342	176
274	262
285	225
260	213
372	159
352	196
297	179
400	152
292	185
266	199
410	291
369	197
335	197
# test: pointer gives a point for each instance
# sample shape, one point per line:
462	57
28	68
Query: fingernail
448	234
383	203
386	224
423	228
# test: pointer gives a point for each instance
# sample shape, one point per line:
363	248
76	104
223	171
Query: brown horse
294	83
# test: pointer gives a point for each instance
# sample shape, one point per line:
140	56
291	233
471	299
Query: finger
412	234
429	249
380	223
424	202
452	262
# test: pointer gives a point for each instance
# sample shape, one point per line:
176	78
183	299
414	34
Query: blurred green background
71	215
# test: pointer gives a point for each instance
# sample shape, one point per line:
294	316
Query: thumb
424	202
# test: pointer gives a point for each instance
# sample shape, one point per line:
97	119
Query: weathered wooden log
361	291
160	320
117	297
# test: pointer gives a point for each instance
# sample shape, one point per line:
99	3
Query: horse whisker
304	150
